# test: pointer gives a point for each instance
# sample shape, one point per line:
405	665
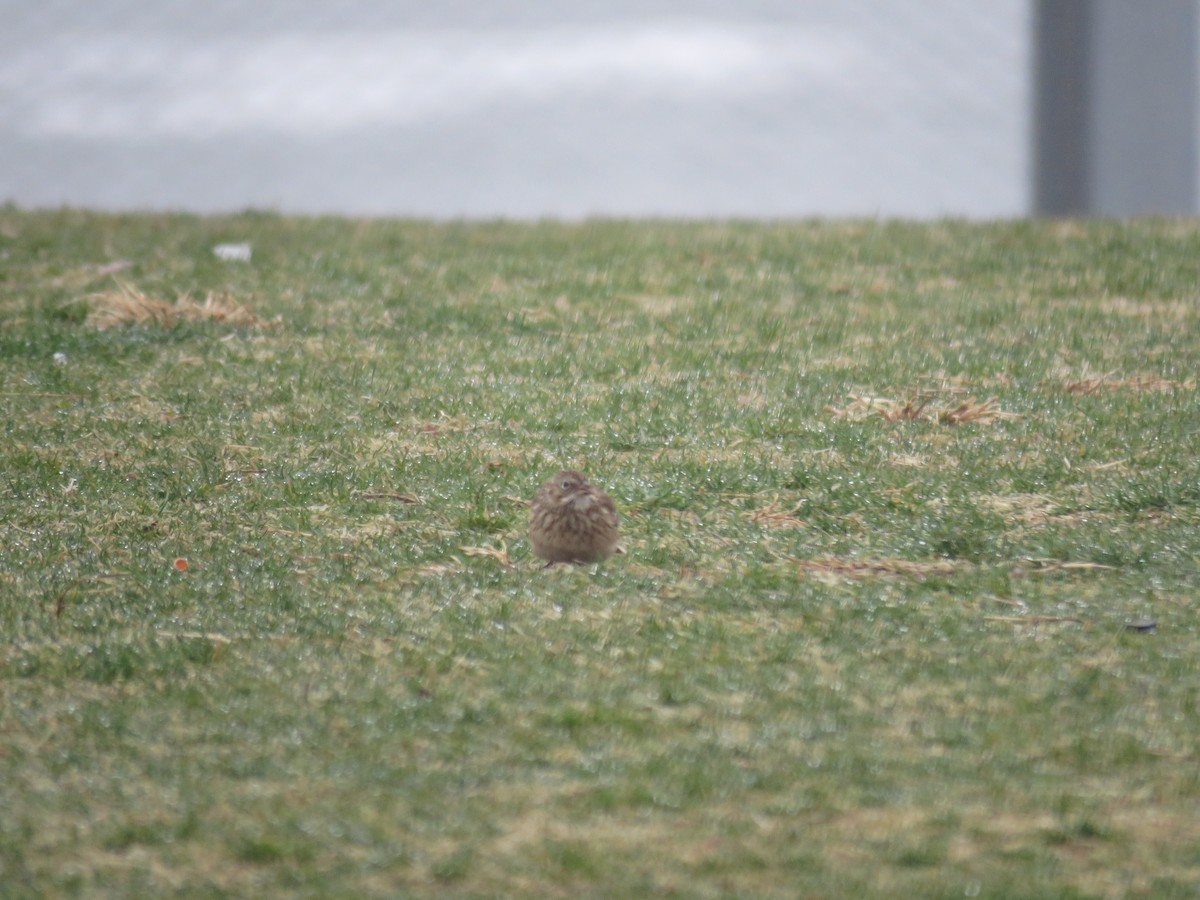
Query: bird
572	520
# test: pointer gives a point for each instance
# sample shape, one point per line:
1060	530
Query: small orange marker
180	564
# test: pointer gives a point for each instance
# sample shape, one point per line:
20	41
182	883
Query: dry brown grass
1095	384
126	305
774	516
1148	309
497	553
922	408
1024	508
837	568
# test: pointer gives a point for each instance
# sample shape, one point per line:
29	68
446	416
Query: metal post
1115	108
1062	115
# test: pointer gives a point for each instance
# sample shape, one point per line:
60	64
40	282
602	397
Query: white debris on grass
232	252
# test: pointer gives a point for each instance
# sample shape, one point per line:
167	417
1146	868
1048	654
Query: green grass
848	651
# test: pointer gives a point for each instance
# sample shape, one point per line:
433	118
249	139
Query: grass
891	493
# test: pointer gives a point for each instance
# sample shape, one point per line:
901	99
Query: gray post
1115	108
1062	50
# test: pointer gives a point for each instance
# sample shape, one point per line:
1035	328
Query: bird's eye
566	485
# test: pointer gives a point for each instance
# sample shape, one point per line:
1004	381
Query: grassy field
893	496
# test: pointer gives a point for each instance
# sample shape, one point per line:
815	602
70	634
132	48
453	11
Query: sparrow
572	520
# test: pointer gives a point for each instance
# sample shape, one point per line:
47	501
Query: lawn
908	602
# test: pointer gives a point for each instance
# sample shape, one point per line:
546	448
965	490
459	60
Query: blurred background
529	108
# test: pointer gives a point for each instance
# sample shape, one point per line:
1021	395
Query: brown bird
572	521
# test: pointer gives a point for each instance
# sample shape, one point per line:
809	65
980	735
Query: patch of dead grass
126	305
1028	509
398	496
500	554
1058	565
1140	382
659	304
775	516
1034	620
1148	309
925	408
837	569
